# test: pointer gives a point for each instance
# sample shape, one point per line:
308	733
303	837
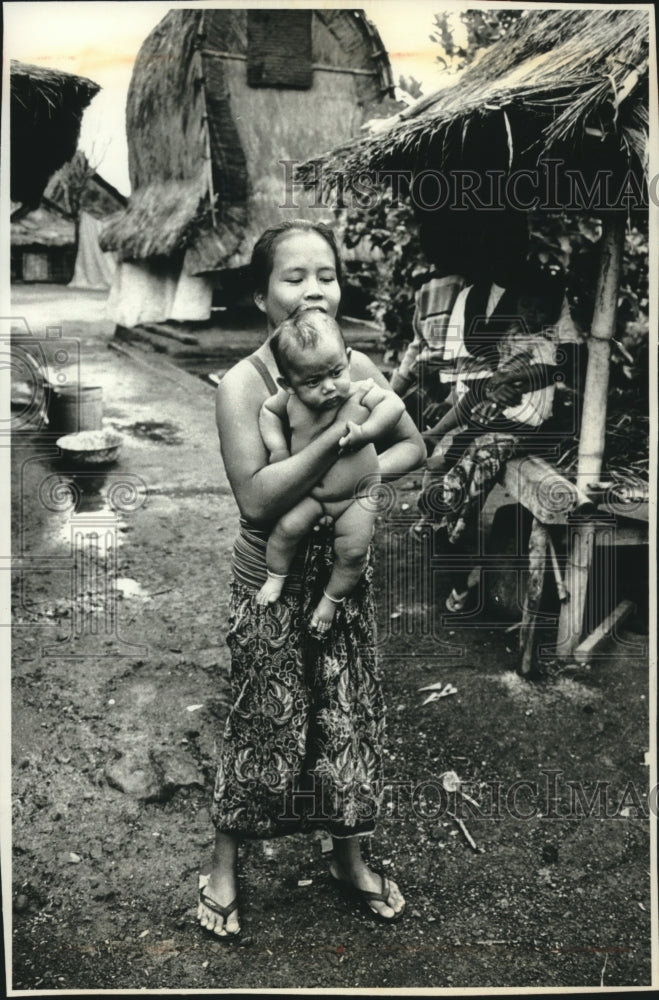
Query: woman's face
303	276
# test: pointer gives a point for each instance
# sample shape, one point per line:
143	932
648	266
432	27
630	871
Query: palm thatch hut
219	100
46	111
564	94
43	245
58	241
570	85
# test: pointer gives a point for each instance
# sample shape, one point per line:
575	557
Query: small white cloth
538	348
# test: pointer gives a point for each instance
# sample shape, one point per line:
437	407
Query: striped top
248	559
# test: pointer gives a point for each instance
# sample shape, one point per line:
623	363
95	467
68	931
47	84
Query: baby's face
320	376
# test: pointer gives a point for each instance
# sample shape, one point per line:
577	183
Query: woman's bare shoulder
241	393
241	374
243	380
362	368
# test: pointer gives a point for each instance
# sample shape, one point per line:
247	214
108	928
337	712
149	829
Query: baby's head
313	359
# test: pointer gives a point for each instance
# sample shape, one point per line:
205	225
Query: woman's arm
455	417
404	449
507	386
264	492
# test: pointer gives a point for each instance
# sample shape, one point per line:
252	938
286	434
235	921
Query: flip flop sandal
364	896
222	911
456	602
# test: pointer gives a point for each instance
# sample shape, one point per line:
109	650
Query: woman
511	328
302	742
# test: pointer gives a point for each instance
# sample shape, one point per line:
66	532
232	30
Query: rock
103	894
155	777
21	903
134	774
178	770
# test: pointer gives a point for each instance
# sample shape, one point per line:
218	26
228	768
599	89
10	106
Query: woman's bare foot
271	589
347	865
217	911
323	616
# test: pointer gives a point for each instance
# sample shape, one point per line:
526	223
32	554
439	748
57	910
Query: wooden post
593	428
533	595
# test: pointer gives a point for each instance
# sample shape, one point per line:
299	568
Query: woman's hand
264	491
506	393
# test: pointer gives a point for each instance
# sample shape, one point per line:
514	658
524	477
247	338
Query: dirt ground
119	695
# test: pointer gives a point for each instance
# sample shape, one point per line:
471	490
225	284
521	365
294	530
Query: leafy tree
68	186
411	86
481	28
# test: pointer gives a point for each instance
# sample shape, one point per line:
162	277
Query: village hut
565	85
43	245
46	109
58	243
564	92
222	104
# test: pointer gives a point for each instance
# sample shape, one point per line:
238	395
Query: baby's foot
271	589
322	617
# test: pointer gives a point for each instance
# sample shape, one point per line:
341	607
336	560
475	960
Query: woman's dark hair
264	249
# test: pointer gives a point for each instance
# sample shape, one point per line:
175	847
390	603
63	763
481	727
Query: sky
100	40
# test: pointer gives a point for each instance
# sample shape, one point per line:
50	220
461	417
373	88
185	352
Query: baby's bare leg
353	531
288	532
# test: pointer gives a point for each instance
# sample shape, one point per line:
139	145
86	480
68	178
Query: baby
315	364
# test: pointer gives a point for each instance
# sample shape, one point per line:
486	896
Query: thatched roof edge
158	221
46	113
560	66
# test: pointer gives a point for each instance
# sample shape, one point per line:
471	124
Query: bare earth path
119	696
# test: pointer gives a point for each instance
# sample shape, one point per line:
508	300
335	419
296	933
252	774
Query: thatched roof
167	155
208	124
564	83
46	226
46	111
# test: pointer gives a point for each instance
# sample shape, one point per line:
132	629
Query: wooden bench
554	500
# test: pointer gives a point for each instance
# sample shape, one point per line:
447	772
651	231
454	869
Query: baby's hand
353	439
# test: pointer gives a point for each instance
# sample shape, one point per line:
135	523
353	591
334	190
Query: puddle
131	588
162	432
88	519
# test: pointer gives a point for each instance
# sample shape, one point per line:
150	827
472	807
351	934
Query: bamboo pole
533	595
593	416
593	428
